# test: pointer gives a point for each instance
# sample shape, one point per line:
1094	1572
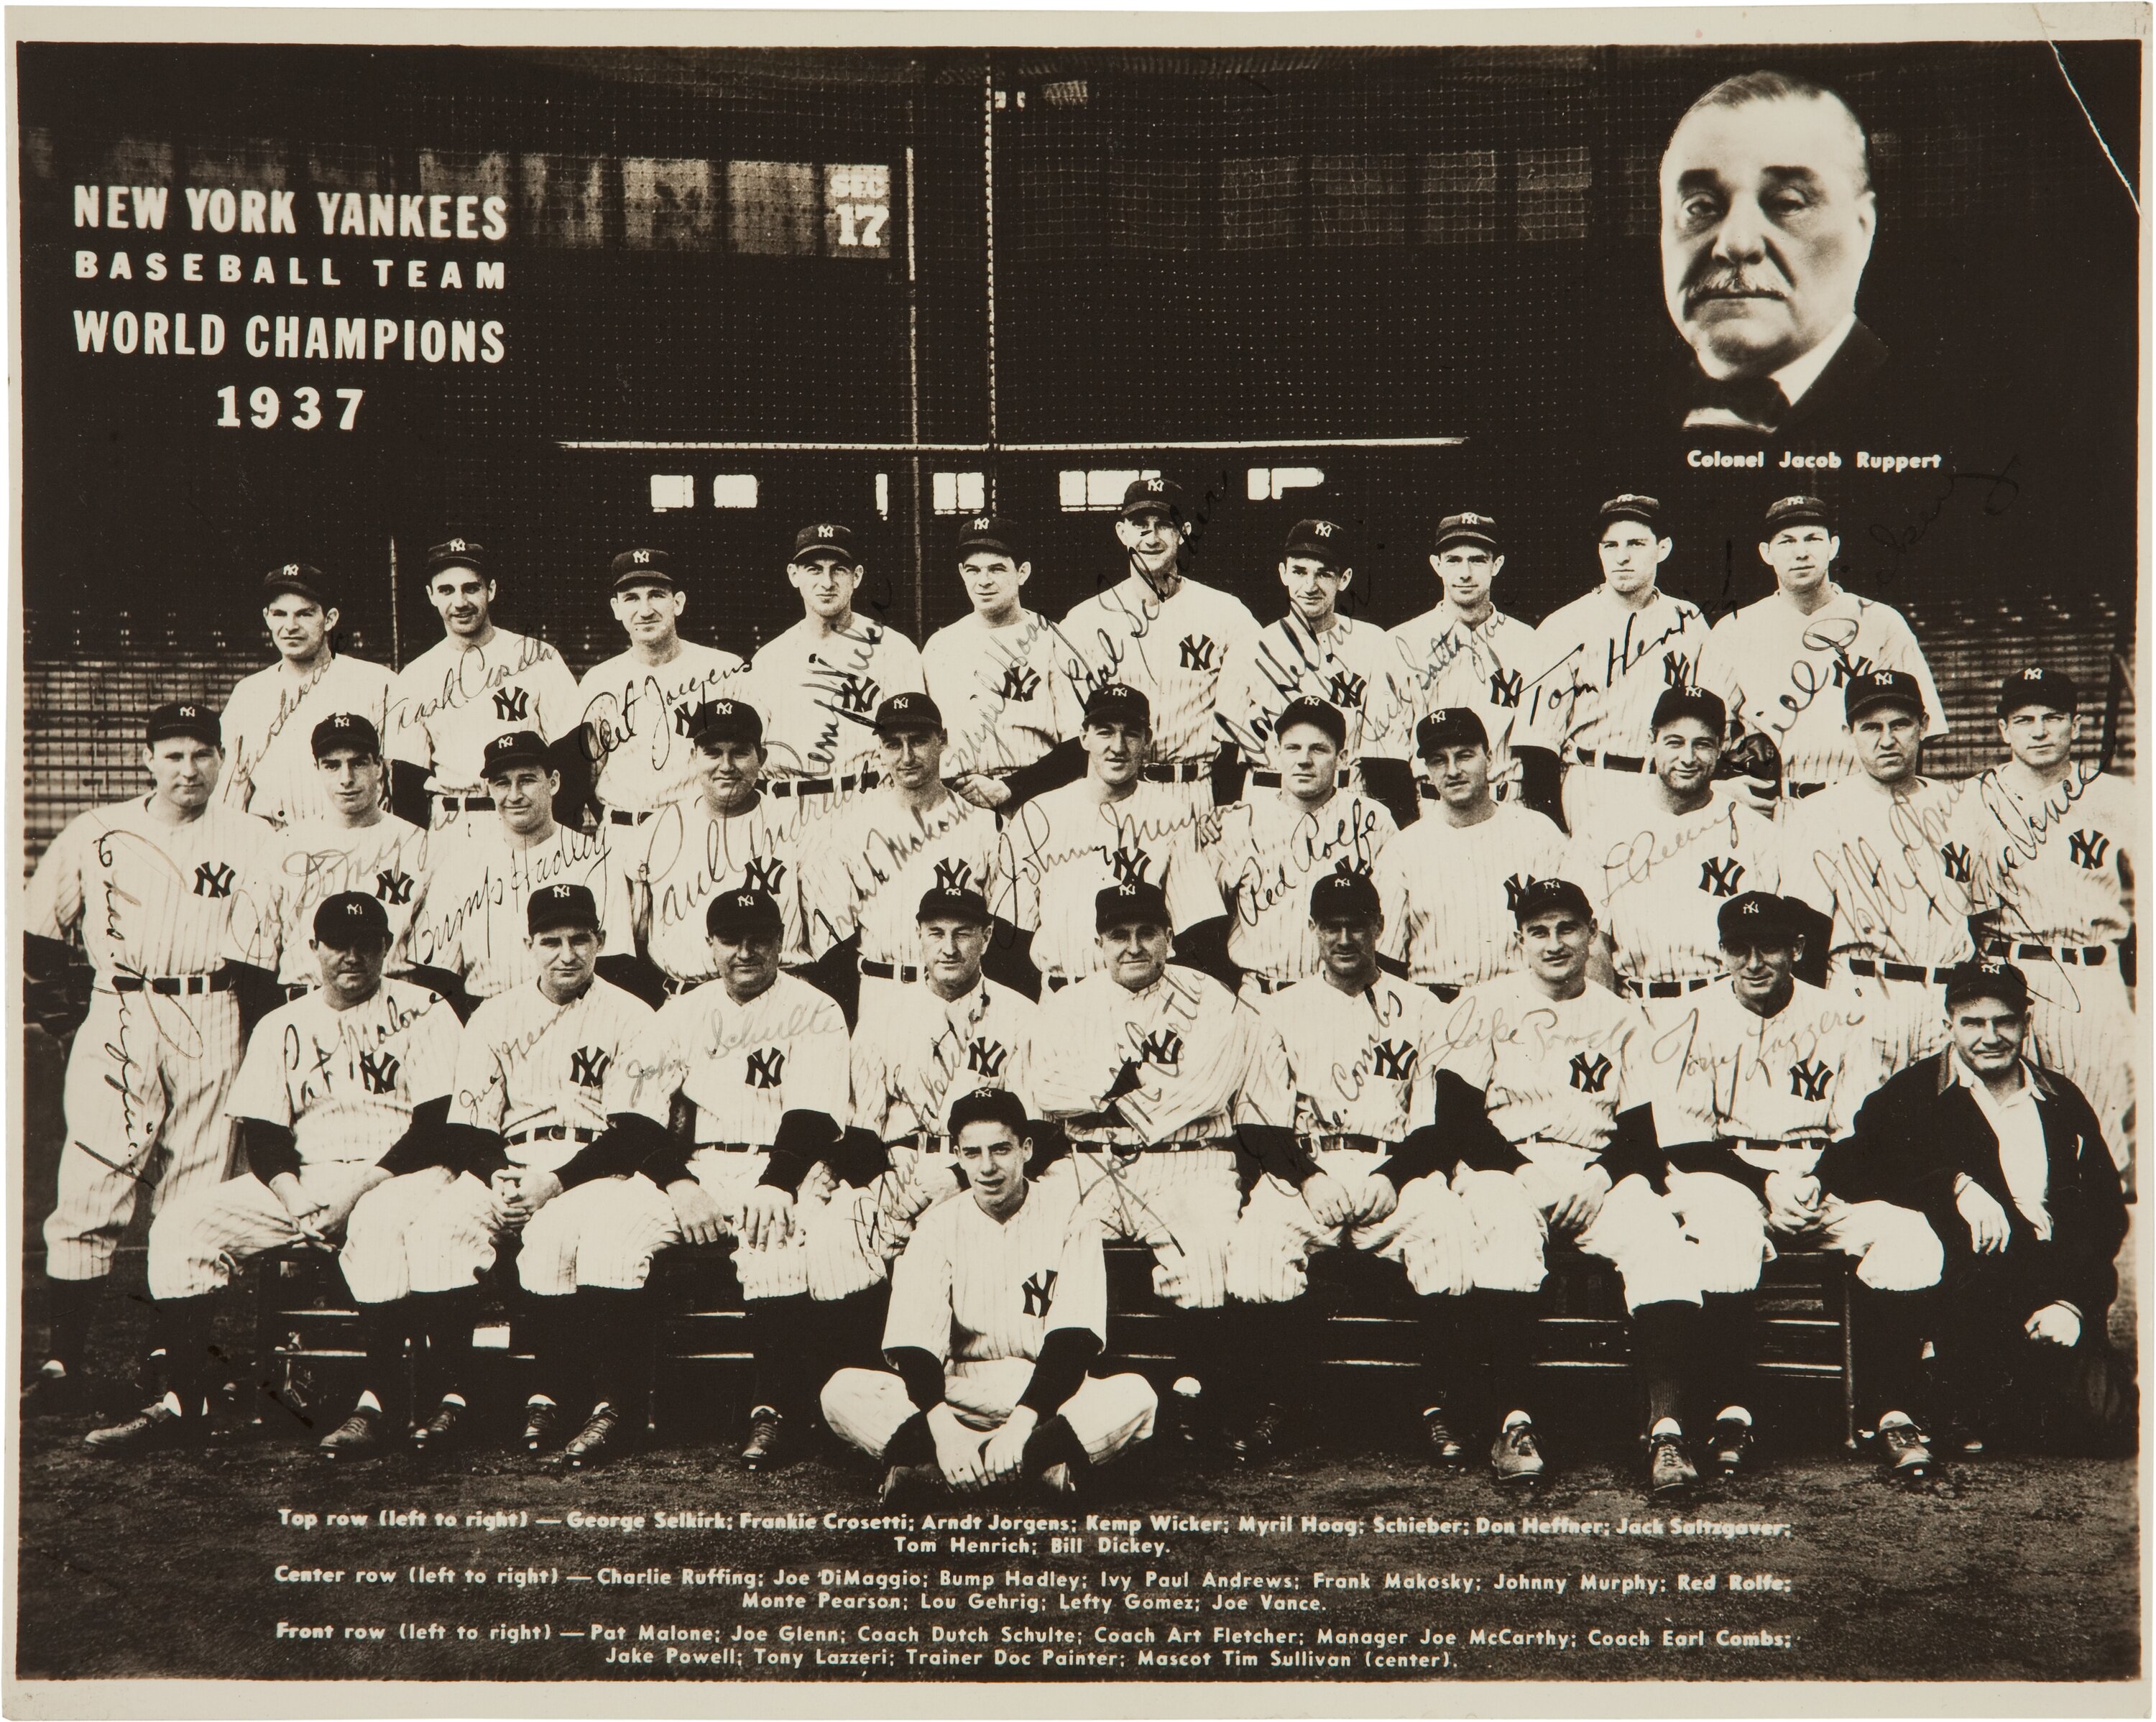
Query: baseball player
1266	851
1791	654
1657	875
146	886
1598	666
638	707
1167	636
468	929
723	833
1451	882
1545	1092
358	844
1111	827
728	1126
269	716
998	1308
1464	654
1881	857
340	1089
2051	863
1354	1055
461	693
1763	1076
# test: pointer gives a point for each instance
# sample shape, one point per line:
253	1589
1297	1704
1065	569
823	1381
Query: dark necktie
1757	400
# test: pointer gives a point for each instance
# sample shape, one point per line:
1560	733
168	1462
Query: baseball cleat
1445	1447
542	1420
1732	1445
1669	1472
604	1436
153	1427
445	1430
52	1393
1515	1456
360	1436
1057	1479
901	1481
767	1440
1258	1440
1908	1455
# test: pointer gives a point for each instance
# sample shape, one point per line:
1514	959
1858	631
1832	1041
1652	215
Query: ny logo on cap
512	705
588	1065
213	879
1156	487
1791	503
766	1069
1809	1079
826	532
1993	965
189	711
2032	675
987	1058
560	893
1476	520
745	899
1162	1047
2086	849
378	1071
639	558
1323	528
764	873
1505	689
391	886
980	523
1039	1292
1589	1075
456	543
1394	1060
291	571
1881	678
1954	857
1720	878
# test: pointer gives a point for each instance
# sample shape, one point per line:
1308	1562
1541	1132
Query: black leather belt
1797	792
673	989
784	787
1350	1140
1610	762
2087	956
923	1142
1266	985
1178	771
735	1147
889	971
1132	1150
470	803
1666	988
1271	780
628	816
1446	990
552	1133
1056	983
295	990
1894	971
174	985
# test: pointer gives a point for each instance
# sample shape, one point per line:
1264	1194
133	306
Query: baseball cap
734	913
1344	896
299	577
1120	905
457	552
989	531
520	747
1882	687
2038	686
1796	511
1324	715
1543	897
183	718
825	535
947	904
1153	493
1988	978
347	729
1325	539
643	567
726	720
1698	702
1466	527
1450	727
1627	505
553	906
1118	699
350	919
1758	915
908	711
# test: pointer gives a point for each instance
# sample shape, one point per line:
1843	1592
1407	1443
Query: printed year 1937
266	407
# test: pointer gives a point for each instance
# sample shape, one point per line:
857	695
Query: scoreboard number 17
265	407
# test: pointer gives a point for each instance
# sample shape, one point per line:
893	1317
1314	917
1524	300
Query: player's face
951	949
2039	736
1468	570
1557	944
299	626
1767	225
995	1163
912	758
1460	776
184	770
524	796
1630	554
1760	969
1800	558
349	977
462	600
731	767
567	956
1887	739
649	610
748	963
1309	760
353	778
1313	589
1685	751
1987	1034
993	582
1348	945
1153	538
1118	749
827	583
1136	952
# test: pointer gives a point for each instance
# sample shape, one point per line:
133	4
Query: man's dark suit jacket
1849	376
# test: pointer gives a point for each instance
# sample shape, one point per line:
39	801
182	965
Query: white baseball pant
1635	1230
1181	1203
1429	1233
199	1238
1731	1237
2082	1023
377	1253
1110	1415
852	1238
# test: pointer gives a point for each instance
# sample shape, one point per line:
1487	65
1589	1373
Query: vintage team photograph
1154	864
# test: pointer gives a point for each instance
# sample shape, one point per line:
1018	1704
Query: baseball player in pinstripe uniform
2051	840
727	1126
538	1071
461	693
269	716
1352	1065
998	1307
639	707
1267	852
338	1090
145	885
1882	857
1450	882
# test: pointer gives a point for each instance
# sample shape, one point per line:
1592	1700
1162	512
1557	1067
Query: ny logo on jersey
1393	1060
1020	683
1505	687
858	694
1720	878
588	1065
987	1058
766	1069
685	717
1162	1047
512	705
2087	849
1846	668
1348	689
1130	866
1039	1292
1809	1079
378	1071
1515	887
765	873
1200	652
391	885
1673	669
213	879
1954	857
1589	1075
954	875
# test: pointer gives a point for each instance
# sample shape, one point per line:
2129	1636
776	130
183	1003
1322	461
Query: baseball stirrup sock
1729	1349
1666	1337
622	1326
445	1321
1887	1333
73	1303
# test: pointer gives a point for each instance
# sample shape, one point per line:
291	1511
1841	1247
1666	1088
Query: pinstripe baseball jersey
1441	661
272	908
817	694
1350	667
1270	852
744	1065
1658	880
2054	862
1061	850
451	700
1170	649
692	855
1789	670
639	716
1007	694
346	1082
471	919
1596	669
875	858
269	726
909	1064
1449	891
149	897
1888	864
969	1287
1362	1064
1553	1071
526	1063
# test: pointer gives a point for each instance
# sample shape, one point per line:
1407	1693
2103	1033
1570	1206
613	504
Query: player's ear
1346	579
1662	549
489	592
1497	566
330	616
1025	1153
1764	558
1024	572
1436	567
680	602
1833	548
553	782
